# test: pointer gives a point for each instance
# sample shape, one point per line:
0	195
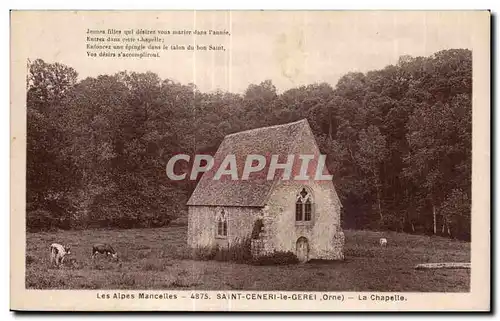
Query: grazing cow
58	253
383	242
104	248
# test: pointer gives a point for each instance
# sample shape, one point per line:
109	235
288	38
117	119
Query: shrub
239	251
276	258
40	220
257	228
204	253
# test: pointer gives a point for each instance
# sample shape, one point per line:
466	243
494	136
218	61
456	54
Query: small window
303	206
307	210
298	210
222	224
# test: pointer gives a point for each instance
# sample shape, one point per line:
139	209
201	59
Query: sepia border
478	299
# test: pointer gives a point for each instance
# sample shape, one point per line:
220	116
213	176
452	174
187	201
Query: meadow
158	258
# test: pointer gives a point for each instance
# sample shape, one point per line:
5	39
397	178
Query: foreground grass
158	259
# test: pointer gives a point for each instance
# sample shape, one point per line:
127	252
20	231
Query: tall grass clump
238	251
204	253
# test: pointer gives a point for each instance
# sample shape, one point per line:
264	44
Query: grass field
159	259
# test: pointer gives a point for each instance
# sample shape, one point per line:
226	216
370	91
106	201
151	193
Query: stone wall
202	224
263	245
322	233
279	231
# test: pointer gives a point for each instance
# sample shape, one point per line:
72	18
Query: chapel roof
266	141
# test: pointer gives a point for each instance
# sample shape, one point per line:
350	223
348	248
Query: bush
257	228
40	220
204	253
276	258
239	251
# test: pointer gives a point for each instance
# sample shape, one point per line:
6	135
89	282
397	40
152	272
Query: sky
291	48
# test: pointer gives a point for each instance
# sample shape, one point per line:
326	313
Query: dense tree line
398	142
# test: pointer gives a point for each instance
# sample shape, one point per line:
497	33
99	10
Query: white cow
383	242
58	252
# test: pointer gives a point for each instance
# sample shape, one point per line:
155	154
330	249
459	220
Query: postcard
250	160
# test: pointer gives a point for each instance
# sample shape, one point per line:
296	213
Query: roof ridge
267	127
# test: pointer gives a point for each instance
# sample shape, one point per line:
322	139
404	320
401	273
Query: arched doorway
302	249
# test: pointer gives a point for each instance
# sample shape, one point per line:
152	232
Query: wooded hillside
398	142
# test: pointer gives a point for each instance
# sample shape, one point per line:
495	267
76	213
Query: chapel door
302	249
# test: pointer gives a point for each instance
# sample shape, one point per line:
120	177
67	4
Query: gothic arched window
304	206
222	224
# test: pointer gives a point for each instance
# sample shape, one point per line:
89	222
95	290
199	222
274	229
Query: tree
440	149
48	84
91	122
398	142
371	154
259	100
455	210
47	170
